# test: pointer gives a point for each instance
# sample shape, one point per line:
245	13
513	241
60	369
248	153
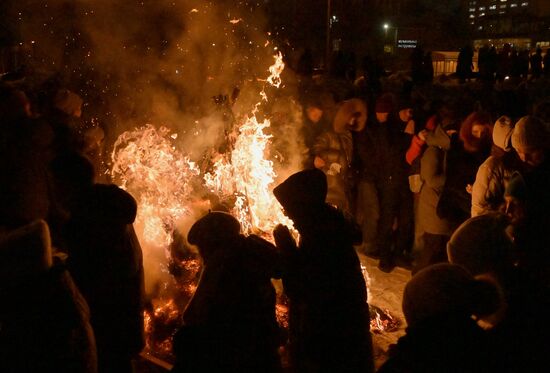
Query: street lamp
387	47
328	36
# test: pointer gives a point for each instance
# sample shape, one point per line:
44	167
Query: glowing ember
276	69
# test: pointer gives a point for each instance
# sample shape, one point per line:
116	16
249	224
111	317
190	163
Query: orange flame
146	163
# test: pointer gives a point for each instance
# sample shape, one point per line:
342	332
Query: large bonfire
164	181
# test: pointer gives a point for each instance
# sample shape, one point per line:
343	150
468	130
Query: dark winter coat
329	318
230	323
381	152
106	262
442	345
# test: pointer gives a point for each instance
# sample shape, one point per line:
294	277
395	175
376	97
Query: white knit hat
502	133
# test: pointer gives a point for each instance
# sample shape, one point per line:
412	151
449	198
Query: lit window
481	8
472	10
503	1
513	5
481	14
480	28
472	23
524	4
472	16
503	6
493	7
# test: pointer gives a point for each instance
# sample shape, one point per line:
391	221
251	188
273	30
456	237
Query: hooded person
104	258
333	151
328	314
230	323
441	336
494	174
484	247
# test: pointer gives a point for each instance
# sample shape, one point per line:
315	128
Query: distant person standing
546	63
464	64
536	64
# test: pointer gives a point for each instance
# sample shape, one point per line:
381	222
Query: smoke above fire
157	61
170	81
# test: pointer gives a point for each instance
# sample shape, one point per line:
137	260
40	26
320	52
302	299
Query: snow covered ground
386	292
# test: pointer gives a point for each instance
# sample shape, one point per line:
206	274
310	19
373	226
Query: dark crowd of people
449	182
71	265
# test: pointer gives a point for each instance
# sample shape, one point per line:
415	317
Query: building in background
525	24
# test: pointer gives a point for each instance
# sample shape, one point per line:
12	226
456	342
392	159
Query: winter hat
25	251
67	101
215	227
431	124
530	133
404	103
351	115
384	104
446	290
304	188
481	244
502	133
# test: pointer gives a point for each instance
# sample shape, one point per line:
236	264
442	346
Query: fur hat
25	251
447	290
530	133
502	133
67	101
214	227
304	188
482	244
384	104
351	115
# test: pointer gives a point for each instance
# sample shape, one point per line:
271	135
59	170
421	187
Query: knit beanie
502	133
445	291
67	101
530	133
481	244
384	104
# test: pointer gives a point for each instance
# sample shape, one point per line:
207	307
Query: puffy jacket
432	172
336	150
491	180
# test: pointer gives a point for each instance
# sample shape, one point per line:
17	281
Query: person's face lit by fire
314	114
479	131
406	114
382	117
533	157
514	209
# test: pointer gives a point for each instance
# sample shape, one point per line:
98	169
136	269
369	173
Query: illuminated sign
407	43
